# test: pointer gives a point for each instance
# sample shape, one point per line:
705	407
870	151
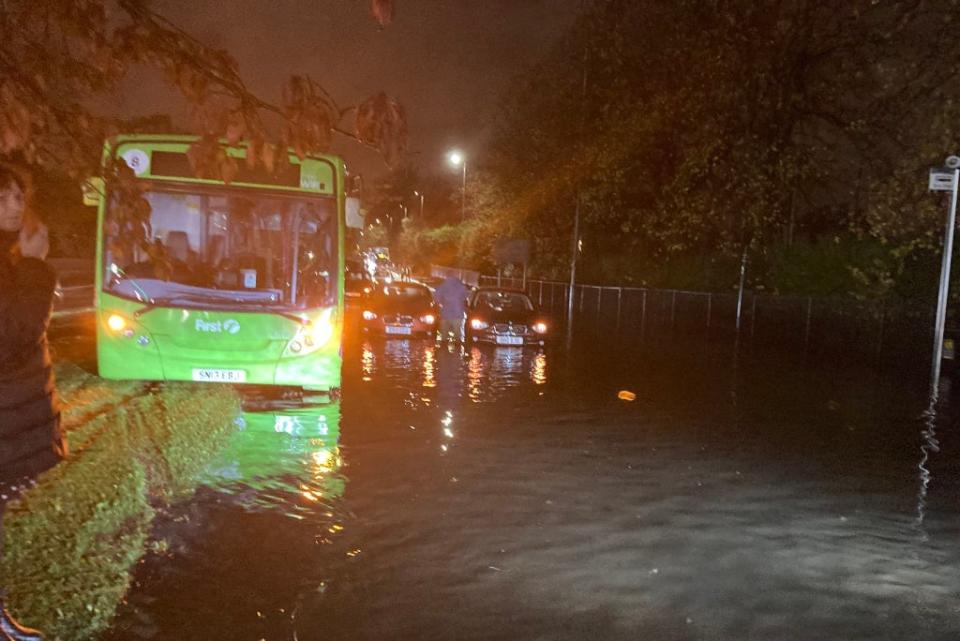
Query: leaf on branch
382	11
209	159
236	126
310	115
381	121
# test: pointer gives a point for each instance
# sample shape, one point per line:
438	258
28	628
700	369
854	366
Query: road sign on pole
942	179
937	183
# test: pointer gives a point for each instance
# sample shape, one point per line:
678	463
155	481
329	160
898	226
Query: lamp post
457	159
419	193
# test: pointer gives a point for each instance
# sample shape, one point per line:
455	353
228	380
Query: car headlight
540	327
428	319
476	323
311	336
368	315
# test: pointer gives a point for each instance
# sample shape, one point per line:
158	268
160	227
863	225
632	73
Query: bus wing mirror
93	190
355	215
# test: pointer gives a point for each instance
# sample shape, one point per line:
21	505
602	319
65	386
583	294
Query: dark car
400	309
505	317
356	281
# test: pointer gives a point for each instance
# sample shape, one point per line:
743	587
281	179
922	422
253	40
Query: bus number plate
220	375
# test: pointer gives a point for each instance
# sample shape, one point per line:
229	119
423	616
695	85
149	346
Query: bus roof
163	157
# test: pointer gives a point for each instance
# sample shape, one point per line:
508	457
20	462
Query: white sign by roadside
942	180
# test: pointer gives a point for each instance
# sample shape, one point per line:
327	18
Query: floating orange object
626	395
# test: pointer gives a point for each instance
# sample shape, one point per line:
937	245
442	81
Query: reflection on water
483	374
283	455
483	504
368	362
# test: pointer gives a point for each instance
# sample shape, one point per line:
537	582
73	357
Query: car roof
504	290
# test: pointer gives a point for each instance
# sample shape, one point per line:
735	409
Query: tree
56	55
708	128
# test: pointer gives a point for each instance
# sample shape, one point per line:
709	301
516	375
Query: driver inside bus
317	252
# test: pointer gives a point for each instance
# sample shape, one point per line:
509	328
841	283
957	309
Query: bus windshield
222	247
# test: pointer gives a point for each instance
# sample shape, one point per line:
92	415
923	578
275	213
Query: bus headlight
311	336
116	323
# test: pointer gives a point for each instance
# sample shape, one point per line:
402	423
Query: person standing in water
30	437
451	297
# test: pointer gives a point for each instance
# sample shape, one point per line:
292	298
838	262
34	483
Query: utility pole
575	241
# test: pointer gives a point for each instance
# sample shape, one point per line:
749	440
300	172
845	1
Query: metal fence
829	327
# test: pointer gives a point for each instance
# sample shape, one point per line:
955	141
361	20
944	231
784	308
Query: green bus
232	283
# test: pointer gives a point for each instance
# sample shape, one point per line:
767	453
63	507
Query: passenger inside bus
283	246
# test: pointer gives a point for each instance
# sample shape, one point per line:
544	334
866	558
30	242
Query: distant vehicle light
476	323
428	319
540	328
116	322
368	315
367	290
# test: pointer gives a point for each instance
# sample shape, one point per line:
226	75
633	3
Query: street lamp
457	158
417	193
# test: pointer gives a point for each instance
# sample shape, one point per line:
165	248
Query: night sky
447	61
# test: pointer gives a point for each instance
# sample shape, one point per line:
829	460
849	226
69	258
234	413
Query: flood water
486	493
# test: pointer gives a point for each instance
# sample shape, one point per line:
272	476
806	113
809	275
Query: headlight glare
116	322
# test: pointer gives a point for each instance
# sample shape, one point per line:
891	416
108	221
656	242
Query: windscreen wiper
287	315
166	302
151	305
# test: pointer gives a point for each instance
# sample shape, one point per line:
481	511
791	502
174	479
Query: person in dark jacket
451	296
30	436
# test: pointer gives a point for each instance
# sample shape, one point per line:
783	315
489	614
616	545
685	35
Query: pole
573	267
944	287
576	209
643	316
619	307
421	208
743	275
463	193
599	302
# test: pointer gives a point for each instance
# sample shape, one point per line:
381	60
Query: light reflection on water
497	494
282	454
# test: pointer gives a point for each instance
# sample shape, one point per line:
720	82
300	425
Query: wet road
508	494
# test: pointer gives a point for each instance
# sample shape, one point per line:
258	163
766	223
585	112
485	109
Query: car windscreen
402	292
499	301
